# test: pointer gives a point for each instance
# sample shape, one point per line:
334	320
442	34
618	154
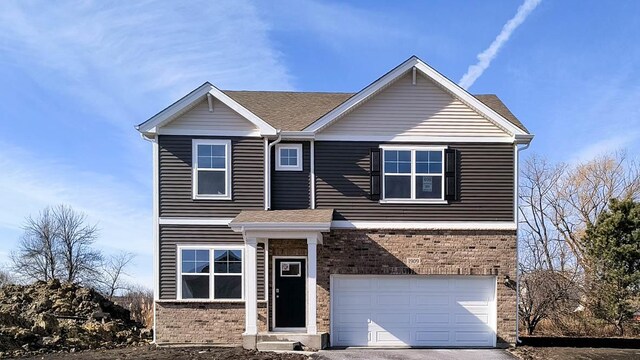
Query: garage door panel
397	337
393	318
433	338
353	319
433	300
432	285
413	311
394	300
395	284
425	319
351	301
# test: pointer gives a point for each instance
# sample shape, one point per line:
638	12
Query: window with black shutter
374	171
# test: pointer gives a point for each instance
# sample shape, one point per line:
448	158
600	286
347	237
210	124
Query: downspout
268	170
156	238
516	217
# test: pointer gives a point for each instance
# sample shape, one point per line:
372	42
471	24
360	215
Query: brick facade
203	323
375	252
384	252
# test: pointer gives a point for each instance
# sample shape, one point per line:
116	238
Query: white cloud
111	54
485	57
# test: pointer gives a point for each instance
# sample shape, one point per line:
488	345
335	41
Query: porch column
312	243
251	287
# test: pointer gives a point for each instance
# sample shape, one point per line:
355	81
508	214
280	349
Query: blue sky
79	75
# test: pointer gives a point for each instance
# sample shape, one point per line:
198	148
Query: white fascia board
425	225
170	113
194	221
404	139
150	126
392	75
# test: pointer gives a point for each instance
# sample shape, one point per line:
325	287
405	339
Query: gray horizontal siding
290	189
485	183
173	235
175	178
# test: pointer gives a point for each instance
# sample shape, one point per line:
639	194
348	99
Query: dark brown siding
173	235
485	183
290	189
176	192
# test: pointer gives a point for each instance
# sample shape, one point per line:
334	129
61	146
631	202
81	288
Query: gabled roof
294	111
311	112
417	65
193	98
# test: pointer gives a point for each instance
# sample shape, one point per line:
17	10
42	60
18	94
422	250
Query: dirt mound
50	316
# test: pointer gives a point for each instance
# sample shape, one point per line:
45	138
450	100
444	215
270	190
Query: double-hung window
211	169
199	280
413	174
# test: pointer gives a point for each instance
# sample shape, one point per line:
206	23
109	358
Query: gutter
267	170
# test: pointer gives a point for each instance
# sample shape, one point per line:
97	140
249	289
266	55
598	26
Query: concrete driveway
413	354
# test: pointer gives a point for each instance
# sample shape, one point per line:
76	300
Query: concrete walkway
413	354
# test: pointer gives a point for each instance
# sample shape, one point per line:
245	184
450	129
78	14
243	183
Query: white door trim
273	293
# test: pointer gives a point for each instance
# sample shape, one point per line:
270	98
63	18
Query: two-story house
385	217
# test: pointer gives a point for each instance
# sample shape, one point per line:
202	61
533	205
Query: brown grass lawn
567	353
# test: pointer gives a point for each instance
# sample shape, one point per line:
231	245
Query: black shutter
450	175
374	172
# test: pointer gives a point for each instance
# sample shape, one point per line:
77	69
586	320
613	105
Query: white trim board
181	106
425	225
429	72
194	221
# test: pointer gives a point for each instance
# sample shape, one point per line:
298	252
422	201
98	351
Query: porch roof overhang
283	224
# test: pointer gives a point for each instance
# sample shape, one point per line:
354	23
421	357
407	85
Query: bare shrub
139	301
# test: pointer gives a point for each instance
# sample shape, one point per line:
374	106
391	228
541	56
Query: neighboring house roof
294	111
288	111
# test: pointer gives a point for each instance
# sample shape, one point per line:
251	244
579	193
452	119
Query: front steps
279	345
280	341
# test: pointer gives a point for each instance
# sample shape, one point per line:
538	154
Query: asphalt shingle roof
294	111
284	216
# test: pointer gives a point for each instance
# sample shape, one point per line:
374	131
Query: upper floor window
199	280
211	169
412	174
289	157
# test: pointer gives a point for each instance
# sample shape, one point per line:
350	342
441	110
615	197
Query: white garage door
438	311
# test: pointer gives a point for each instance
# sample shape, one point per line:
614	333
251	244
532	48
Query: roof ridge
292	92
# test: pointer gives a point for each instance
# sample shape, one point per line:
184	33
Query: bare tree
543	245
557	204
139	300
38	252
545	294
76	238
113	268
5	278
583	193
57	244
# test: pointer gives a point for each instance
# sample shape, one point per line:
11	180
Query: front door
290	293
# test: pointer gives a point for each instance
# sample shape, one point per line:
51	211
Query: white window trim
412	200
227	170
299	274
211	273
279	166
